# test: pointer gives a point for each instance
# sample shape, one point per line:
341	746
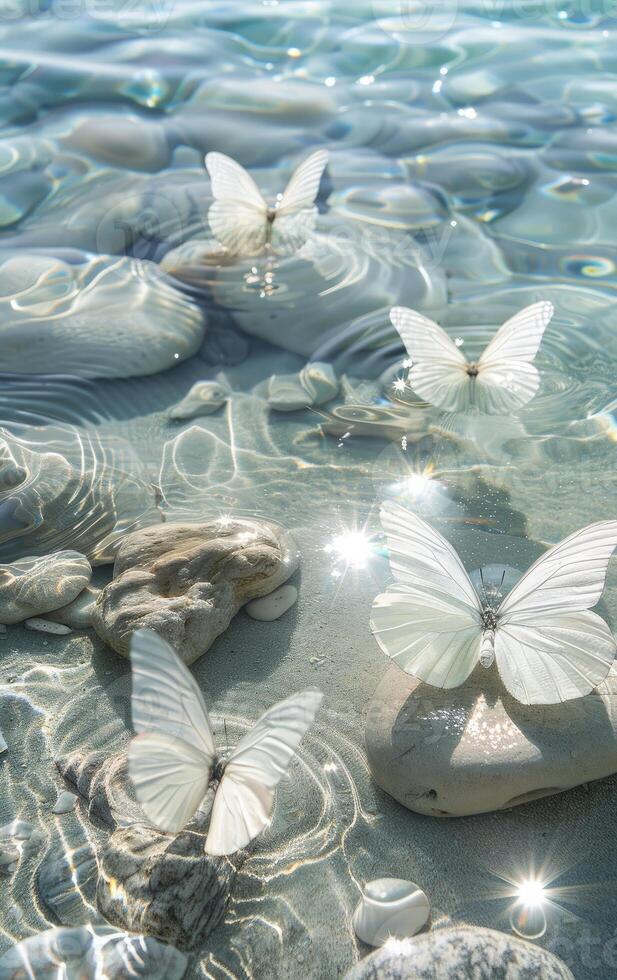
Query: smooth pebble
390	907
273	606
38	625
65	803
315	384
204	398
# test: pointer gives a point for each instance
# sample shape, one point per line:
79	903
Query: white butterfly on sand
501	381
173	757
245	224
547	644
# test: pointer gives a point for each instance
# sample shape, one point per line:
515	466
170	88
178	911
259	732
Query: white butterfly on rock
501	381
173	757
548	645
245	224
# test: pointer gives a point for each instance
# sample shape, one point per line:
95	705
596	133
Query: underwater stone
78	613
273	606
187	581
454	953
89	952
390	907
65	803
31	586
330	298
47	626
66	882
315	384
163	884
149	880
109	317
42	491
203	398
475	749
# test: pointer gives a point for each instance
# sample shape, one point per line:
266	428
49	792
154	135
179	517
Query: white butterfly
501	381
548	646
173	757
242	221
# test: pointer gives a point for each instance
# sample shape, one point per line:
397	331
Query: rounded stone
475	748
187	581
32	586
390	907
461	952
274	605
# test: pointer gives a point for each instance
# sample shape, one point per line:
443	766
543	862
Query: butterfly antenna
502	578
483	586
226	739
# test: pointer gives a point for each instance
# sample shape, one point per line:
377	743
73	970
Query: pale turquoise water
473	152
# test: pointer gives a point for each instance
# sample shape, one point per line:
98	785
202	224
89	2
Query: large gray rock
52	319
32	586
147	881
475	748
187	581
462	953
86	953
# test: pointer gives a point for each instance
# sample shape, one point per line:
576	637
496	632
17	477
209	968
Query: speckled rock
149	881
89	952
475	749
31	586
462	953
38	625
187	581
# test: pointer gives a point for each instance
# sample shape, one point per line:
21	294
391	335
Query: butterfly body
548	644
502	380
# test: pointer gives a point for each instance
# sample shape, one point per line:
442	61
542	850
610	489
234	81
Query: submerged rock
272	606
390	907
78	613
108	317
89	952
149	881
31	586
330	298
204	398
16	838
69	490
65	803
475	748
47	626
462	952
315	384
187	581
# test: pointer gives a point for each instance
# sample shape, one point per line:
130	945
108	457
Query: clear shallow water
472	160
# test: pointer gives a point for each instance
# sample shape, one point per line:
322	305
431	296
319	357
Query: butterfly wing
548	646
506	377
170	778
438	373
238	215
429	621
166	698
296	213
244	799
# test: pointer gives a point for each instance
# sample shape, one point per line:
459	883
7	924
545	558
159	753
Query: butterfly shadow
449	752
